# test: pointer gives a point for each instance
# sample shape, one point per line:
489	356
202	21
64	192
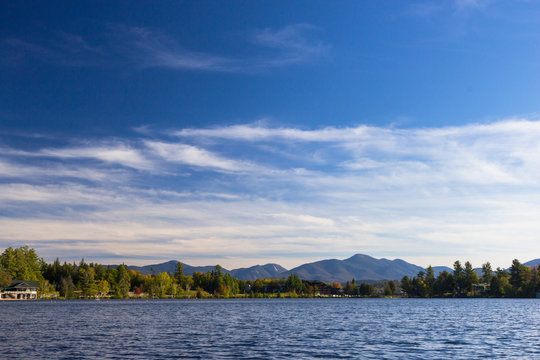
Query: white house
20	290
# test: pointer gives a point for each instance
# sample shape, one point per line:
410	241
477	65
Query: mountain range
359	267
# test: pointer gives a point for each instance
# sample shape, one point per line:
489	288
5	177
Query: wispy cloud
440	193
119	154
12	169
144	47
191	155
64	49
296	43
256	133
150	48
430	8
116	152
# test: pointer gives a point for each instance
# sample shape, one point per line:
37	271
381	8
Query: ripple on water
272	329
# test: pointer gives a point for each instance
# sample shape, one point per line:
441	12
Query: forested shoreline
91	280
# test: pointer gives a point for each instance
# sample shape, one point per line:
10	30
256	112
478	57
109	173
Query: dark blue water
271	329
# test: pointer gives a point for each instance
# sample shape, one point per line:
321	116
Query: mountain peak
357	257
358	267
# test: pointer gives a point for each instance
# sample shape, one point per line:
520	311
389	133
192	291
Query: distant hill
359	267
478	272
268	271
439	269
170	266
535	262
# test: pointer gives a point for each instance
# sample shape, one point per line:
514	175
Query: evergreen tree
518	274
470	278
459	278
366	289
499	283
87	282
21	263
294	283
5	278
429	280
407	286
487	273
179	273
123	281
444	284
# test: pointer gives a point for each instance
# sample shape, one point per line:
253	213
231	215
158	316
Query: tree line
518	281
91	280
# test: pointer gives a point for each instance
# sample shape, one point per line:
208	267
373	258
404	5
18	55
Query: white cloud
118	154
476	153
294	42
191	155
464	192
257	133
10	169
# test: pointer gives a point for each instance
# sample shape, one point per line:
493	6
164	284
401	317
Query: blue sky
251	132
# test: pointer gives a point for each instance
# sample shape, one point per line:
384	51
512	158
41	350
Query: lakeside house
20	290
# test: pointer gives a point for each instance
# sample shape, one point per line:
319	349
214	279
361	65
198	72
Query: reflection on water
272	328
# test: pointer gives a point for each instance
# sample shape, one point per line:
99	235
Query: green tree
459	279
5	278
45	288
123	281
67	287
487	273
499	283
179	273
518	278
470	278
351	288
216	281
103	288
392	287
389	288
22	263
294	284
419	285
162	283
444	284
366	289
407	286
188	284
87	282
429	280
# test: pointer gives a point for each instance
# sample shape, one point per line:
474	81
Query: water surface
271	329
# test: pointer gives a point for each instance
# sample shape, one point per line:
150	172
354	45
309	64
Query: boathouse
20	290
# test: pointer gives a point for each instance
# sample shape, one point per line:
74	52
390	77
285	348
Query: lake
271	329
